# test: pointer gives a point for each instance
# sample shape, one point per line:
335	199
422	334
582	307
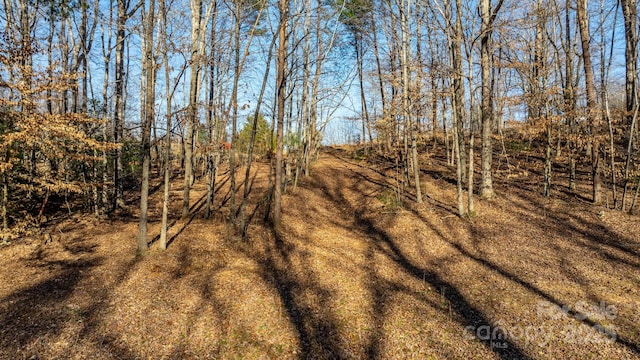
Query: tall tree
170	87
454	36
592	111
355	15
192	121
569	92
488	15
457	100
281	97
147	116
630	13
123	14
106	58
212	118
458	91
410	127
164	41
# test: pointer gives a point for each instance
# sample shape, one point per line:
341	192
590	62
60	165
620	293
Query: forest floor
355	272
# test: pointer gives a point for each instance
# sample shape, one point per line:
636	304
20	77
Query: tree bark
455	37
458	91
118	116
167	148
594	118
488	15
148	114
630	13
192	122
281	96
359	48
376	53
569	96
406	97
212	119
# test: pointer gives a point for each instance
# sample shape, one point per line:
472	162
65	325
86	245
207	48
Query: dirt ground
357	271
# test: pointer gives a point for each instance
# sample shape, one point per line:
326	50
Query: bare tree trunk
629	156
434	110
188	161
458	160
312	135
635	197
106	56
50	56
5	205
470	205
118	116
612	153
167	148
86	33
630	13
473	125
289	154
594	118
455	36
192	121
212	120
63	39
148	115
434	89
447	144
281	88
359	47
243	224
458	91
304	115
488	16
304	130
406	97
538	85
604	78
123	14
569	96
234	116
376	53
548	152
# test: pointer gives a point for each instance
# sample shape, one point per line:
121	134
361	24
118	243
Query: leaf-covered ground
357	271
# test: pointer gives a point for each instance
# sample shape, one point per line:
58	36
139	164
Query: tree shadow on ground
588	234
591	235
604	247
287	267
316	327
30	317
383	243
29	314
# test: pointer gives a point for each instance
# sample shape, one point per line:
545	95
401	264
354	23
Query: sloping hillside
355	272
